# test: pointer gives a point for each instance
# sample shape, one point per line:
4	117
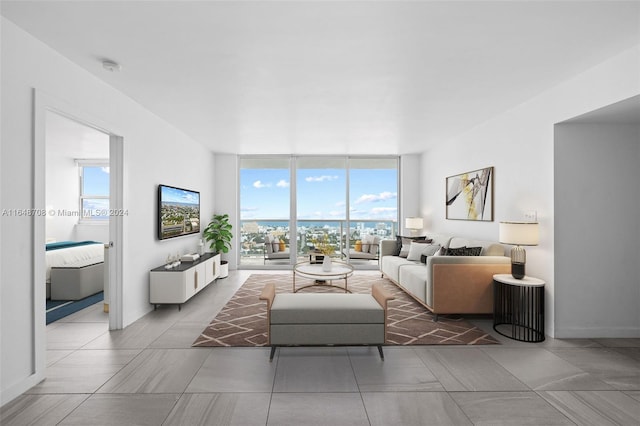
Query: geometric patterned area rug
243	320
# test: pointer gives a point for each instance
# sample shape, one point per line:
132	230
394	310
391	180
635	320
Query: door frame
43	103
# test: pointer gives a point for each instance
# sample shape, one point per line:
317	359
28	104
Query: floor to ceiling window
321	195
291	205
373	203
265	210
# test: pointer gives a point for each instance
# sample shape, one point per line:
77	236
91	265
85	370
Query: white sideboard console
177	285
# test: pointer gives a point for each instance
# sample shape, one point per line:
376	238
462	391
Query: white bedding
74	257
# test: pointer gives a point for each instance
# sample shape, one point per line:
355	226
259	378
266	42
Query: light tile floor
148	374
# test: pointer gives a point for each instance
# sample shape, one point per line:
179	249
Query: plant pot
224	269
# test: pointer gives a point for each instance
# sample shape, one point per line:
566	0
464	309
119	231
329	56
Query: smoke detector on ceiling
111	65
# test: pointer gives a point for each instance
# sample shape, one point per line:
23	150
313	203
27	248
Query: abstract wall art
470	195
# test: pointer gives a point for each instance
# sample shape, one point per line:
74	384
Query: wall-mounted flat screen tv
178	212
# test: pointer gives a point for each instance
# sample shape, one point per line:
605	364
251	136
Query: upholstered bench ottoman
326	318
76	281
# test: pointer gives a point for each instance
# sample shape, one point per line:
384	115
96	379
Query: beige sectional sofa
448	284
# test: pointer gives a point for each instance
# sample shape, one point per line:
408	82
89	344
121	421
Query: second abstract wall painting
470	195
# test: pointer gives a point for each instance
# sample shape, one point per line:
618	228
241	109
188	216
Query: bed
74	269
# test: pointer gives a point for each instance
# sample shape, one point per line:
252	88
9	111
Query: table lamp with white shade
414	224
519	234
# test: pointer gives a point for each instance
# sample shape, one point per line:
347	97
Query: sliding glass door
290	206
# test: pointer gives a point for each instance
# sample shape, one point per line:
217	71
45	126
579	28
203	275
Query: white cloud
374	198
282	184
320	178
258	184
383	210
105	169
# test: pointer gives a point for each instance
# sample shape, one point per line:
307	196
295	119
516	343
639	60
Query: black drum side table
518	307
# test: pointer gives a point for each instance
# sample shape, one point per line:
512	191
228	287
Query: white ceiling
362	77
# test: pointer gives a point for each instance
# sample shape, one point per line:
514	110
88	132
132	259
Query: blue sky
96	180
264	194
173	195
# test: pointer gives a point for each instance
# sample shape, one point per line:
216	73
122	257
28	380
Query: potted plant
218	234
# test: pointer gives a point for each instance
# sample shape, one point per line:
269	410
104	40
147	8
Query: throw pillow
282	246
417	250
404	251
358	245
400	240
375	243
474	251
276	246
268	243
366	242
462	251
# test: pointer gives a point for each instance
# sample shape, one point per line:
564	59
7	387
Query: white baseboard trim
597	332
12	392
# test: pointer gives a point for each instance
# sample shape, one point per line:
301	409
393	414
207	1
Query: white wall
62	192
597	277
154	152
519	144
410	184
227	189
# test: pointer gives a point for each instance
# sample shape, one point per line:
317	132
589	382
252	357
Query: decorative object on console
470	195
190	257
413	224
519	234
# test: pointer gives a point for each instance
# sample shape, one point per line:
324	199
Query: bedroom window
94	190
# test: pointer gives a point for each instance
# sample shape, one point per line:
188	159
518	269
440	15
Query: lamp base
517	270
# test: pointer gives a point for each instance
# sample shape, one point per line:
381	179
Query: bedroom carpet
243	320
57	309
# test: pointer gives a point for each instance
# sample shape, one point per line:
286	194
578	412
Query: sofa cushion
353	254
326	308
390	265
414	279
417	250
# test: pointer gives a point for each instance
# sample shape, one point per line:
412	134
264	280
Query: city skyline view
321	194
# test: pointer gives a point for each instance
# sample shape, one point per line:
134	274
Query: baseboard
597	332
17	389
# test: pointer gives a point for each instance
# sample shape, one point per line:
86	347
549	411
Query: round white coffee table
322	278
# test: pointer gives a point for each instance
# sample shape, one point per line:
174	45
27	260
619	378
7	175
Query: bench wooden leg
273	352
381	353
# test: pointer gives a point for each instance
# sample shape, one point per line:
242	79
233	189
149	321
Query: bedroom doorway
77	181
45	104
